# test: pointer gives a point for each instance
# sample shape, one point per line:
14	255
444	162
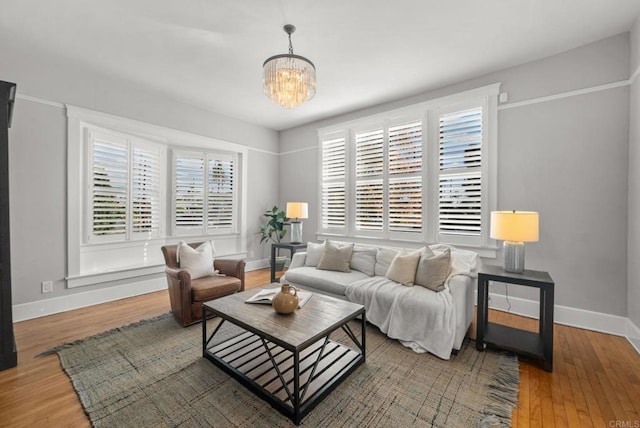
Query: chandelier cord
290	45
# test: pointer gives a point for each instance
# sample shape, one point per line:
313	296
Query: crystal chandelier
289	80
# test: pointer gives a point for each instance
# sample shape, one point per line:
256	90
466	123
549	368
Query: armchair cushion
212	287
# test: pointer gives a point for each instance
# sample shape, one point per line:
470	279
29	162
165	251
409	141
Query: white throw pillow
335	258
403	267
384	257
314	253
198	261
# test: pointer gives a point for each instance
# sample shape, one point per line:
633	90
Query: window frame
131	143
429	113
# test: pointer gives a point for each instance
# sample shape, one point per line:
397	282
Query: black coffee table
287	360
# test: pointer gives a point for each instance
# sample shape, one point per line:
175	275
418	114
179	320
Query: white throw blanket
419	318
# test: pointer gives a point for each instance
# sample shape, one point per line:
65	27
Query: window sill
91	278
484	252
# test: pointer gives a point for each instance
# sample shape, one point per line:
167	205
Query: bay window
133	187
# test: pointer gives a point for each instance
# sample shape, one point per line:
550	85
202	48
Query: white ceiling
209	53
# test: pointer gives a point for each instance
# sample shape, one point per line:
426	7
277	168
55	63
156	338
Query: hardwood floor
595	382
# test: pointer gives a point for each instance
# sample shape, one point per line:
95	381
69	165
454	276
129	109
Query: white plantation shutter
369	180
460	173
405	204
405	149
189	191
204	192
145	193
109	185
333	183
369	204
405	182
220	195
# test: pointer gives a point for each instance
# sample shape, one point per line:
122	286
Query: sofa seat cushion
212	287
328	280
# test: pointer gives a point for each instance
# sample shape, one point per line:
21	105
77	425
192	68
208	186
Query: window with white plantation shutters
460	173
204	192
145	194
189	191
109	186
124	188
422	173
220	196
333	183
405	177
369	180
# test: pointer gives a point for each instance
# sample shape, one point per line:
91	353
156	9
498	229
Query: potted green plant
274	230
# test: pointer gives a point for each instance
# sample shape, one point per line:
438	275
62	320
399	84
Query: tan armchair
186	295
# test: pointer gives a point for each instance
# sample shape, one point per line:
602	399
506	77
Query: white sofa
422	319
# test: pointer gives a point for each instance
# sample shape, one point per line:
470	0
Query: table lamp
297	211
514	228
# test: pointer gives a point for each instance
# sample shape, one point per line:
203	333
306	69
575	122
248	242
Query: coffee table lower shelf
292	382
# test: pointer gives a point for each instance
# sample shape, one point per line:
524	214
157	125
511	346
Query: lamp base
513	256
296	232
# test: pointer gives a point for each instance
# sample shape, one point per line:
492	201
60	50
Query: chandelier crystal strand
289	79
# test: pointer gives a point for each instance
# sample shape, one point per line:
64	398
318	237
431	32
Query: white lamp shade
297	210
515	226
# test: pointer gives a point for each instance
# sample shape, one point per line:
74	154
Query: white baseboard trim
55	305
573	317
633	335
256	264
44	307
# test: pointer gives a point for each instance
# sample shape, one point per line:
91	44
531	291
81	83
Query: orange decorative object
286	301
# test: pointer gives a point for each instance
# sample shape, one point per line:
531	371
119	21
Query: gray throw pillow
384	257
363	259
335	258
432	270
314	252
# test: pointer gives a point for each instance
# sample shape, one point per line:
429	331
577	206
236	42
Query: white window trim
428	110
78	120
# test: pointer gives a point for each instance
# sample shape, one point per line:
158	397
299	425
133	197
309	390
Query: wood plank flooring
595	382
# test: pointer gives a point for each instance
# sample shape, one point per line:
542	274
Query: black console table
537	345
287	246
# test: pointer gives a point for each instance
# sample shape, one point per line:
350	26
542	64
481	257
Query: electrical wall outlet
47	287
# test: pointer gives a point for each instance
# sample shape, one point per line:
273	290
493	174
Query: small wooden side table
287	246
537	345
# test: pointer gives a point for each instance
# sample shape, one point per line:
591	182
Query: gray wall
633	294
566	158
38	150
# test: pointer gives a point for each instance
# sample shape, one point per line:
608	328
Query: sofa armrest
298	260
231	267
462	289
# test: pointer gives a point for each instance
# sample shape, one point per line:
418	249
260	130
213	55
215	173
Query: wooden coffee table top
320	315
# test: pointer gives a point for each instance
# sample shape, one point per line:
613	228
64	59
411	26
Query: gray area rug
152	374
